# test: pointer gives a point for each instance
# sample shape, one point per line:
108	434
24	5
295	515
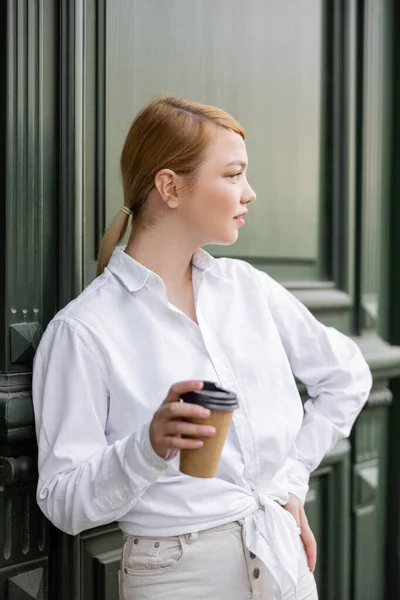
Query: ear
167	184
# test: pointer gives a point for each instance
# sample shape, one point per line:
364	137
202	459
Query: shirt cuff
141	457
298	478
159	463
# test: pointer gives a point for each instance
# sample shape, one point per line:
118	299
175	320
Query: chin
222	236
226	240
228	243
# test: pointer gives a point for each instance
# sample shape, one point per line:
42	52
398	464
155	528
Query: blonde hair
169	133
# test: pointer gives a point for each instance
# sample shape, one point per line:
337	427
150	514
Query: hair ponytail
112	237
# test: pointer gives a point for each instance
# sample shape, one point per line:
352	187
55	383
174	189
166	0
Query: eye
235	175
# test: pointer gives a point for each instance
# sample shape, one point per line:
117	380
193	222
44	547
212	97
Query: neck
165	252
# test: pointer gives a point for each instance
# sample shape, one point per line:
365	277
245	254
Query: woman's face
221	191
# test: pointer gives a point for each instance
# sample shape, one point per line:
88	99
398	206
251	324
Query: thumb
180	388
309	542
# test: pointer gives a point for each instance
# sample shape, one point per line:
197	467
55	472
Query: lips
242	215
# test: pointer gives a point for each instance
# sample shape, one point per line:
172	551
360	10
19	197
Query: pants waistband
226	527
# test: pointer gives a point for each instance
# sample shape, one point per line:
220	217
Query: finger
183	410
171	453
183	443
309	543
189	429
180	388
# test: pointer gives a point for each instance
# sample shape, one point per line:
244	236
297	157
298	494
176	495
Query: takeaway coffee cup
203	462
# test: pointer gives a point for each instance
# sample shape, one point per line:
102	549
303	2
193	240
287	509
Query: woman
161	317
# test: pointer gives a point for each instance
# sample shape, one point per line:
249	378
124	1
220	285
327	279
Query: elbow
368	382
359	392
55	509
364	381
355	374
62	522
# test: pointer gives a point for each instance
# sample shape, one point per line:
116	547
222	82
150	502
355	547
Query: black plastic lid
212	397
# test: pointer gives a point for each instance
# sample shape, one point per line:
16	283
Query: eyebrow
239	163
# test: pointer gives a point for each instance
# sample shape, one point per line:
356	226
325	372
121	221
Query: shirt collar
203	261
133	275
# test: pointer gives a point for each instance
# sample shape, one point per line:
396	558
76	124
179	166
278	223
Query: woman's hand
168	424
296	508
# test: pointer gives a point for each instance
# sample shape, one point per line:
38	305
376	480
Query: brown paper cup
203	462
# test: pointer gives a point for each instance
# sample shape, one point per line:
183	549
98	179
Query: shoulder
81	319
95	303
235	267
242	271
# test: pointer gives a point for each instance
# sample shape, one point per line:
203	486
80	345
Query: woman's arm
337	378
83	482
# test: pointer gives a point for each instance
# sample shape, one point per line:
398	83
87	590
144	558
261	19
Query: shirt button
252	555
135	541
256	573
160	469
156	544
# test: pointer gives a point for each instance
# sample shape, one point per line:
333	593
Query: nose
249	195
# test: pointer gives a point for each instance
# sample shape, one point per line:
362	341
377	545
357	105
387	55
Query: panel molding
27	586
17	426
369	498
318	300
24	531
392	333
91	556
100	557
100	133
28	274
30	163
24	153
106	573
375	167
337	98
329	518
382	357
83	168
72	97
25	582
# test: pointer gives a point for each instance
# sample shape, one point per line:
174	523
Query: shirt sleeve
337	378
83	481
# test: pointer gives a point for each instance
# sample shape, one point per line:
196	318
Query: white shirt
106	362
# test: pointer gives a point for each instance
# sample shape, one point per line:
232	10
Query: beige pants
210	565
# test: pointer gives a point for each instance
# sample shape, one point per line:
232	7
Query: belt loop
192	537
126	550
183	539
